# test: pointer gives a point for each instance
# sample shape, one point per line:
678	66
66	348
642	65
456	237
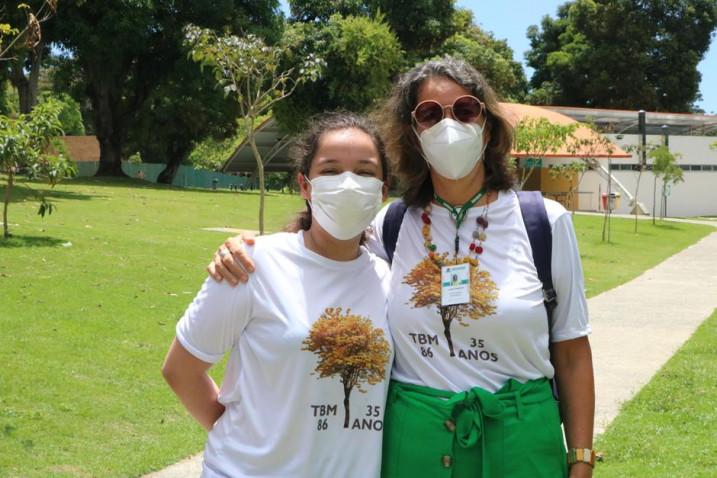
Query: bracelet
581	455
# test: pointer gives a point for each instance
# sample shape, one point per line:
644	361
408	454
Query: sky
509	20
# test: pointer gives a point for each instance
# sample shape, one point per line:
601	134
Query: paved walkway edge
639	325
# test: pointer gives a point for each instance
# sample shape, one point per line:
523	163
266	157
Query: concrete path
637	327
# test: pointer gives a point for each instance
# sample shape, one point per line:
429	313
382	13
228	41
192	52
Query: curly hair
403	147
304	151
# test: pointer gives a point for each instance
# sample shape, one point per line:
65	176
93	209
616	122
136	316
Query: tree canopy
492	57
128	49
361	56
421	26
622	53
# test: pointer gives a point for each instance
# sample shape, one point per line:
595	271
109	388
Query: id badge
455	284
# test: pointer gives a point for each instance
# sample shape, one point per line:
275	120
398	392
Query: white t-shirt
285	404
507	336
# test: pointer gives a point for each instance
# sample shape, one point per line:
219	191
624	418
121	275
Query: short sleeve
215	319
570	317
374	234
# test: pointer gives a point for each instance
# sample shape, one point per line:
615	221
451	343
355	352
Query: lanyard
459	214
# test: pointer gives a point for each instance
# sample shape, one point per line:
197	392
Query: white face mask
452	148
344	204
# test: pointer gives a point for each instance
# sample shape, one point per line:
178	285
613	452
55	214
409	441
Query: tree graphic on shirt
425	279
350	347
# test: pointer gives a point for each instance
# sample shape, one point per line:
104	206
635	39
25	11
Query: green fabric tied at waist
468	415
478	417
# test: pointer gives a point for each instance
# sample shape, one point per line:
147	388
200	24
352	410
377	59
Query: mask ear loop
307	201
418	137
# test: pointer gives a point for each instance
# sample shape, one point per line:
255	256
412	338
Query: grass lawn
88	302
669	429
607	265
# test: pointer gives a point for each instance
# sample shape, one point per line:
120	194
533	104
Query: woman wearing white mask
470	393
309	352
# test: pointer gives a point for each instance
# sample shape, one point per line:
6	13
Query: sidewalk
637	327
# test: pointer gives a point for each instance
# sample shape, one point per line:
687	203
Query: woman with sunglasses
470	393
309	352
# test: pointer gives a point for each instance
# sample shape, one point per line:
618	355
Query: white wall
696	196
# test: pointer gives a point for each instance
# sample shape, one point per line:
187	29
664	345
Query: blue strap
392	225
540	236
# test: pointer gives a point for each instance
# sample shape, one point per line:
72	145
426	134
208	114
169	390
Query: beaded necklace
458	214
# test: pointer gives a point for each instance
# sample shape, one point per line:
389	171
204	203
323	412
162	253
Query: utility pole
642	128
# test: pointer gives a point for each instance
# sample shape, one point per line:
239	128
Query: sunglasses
466	109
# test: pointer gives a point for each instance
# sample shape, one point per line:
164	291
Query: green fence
185	177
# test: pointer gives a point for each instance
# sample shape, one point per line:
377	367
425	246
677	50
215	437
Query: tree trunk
27	86
110	131
654	199
110	158
169	172
175	157
445	317
259	172
21	83
8	194
347	413
637	189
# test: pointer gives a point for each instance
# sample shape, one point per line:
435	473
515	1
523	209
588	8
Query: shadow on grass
127	182
29	241
22	193
670	227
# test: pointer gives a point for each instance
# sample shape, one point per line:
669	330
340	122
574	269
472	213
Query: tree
253	73
664	167
622	53
425	279
24	148
350	347
493	58
182	111
589	148
22	50
421	26
127	49
360	48
321	10
571	172
70	115
538	137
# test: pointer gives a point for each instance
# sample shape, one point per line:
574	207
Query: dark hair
403	146
304	150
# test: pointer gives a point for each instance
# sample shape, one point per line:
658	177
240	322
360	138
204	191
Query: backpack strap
540	236
392	225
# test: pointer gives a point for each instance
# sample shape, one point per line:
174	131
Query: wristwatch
581	455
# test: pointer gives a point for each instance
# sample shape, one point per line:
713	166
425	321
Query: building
688	135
